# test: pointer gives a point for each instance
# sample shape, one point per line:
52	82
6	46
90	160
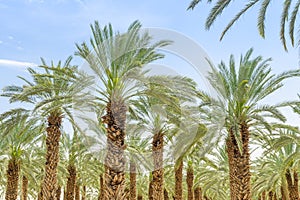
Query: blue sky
31	29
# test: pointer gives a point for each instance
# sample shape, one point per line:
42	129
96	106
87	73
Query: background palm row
164	137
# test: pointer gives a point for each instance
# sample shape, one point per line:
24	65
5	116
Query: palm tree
190	180
53	92
288	15
19	132
287	151
137	149
213	167
117	60
240	93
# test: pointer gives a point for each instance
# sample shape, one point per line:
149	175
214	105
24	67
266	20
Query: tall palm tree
117	60
53	93
289	15
241	90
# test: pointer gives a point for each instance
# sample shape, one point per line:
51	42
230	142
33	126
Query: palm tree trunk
71	183
49	185
190	182
114	175
12	175
83	196
132	181
77	192
101	195
197	193
166	195
239	165
58	192
150	190
158	173
271	195
178	181
24	188
263	196
292	185
140	197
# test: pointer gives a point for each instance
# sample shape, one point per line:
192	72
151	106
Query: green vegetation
157	128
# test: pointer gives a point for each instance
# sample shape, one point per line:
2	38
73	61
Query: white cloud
20	48
1	41
14	63
10	37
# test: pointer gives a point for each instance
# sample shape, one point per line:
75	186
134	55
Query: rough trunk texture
71	183
150	190
140	197
263	196
239	165
190	182
49	185
83	196
12	175
292	185
132	181
166	195
58	192
24	188
270	195
114	176
77	192
197	193
157	182
178	181
101	194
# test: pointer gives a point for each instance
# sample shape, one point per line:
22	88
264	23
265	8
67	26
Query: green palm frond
288	15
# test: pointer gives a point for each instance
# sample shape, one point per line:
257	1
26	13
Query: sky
31	29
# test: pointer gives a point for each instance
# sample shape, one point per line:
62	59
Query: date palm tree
288	19
117	60
287	156
241	90
19	133
53	92
213	167
137	151
156	114
77	161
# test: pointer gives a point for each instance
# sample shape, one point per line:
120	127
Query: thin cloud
14	63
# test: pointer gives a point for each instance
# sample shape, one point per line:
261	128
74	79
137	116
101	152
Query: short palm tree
286	148
213	167
53	92
241	90
18	134
288	15
136	152
117	60
76	160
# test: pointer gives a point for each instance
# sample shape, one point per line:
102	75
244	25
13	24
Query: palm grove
159	130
